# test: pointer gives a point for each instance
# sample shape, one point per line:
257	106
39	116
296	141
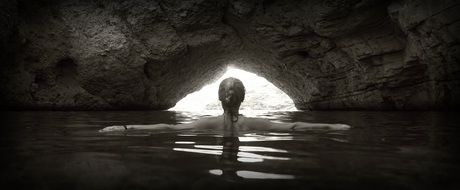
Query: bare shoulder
251	123
209	119
254	120
208	122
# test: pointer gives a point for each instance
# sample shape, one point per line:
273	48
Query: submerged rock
142	54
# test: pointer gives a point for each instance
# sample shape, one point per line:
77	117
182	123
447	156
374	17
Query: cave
357	94
326	55
260	95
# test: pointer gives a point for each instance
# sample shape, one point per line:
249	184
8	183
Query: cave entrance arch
260	95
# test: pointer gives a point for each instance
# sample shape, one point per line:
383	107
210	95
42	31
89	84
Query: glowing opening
260	95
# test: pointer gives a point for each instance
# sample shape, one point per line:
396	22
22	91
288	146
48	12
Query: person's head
231	94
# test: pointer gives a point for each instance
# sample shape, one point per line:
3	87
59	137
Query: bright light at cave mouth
260	95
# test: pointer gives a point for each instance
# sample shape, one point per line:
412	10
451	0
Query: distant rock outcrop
147	54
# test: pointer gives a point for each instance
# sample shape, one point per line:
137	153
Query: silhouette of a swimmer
231	94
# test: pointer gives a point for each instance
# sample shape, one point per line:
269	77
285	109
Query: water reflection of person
231	95
229	156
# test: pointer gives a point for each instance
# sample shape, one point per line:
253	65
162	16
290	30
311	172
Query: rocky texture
146	54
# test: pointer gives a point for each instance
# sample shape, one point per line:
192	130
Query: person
231	123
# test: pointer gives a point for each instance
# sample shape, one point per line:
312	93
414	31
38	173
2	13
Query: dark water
383	150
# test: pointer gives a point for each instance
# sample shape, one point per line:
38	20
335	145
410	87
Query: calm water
383	150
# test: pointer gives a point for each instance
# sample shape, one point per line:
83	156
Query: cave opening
261	95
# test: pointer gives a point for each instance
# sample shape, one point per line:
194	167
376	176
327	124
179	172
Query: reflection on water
202	151
216	172
230	150
233	152
254	175
249	159
255	138
218	147
259	149
386	150
261	175
184	142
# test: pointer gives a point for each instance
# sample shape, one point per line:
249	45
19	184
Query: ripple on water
390	150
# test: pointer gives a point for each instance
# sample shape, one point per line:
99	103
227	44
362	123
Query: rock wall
146	54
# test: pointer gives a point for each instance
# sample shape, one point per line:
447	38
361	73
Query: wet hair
231	94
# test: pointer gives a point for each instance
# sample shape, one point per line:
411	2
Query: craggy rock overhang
148	54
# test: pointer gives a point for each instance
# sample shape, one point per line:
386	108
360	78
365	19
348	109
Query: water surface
383	150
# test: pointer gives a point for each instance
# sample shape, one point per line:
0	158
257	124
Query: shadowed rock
142	54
